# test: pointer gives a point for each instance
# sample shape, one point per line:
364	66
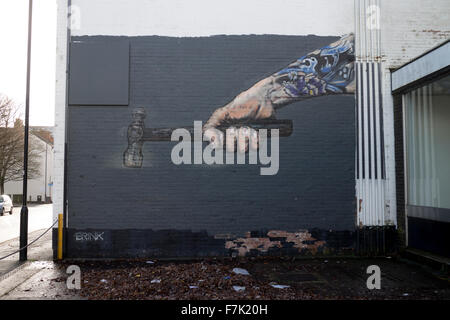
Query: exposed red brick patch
300	239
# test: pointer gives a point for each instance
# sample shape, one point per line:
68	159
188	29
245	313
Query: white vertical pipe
371	172
367	195
360	125
370	189
380	200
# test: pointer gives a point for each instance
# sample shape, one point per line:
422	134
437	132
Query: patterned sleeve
328	70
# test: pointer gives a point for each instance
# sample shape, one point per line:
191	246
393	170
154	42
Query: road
39	217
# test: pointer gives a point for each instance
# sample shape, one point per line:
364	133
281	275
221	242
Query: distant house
39	189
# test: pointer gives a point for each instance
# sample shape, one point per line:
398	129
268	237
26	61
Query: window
427	133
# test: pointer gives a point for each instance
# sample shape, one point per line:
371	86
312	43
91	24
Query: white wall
211	17
411	27
60	108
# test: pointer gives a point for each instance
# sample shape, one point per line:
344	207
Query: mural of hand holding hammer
326	71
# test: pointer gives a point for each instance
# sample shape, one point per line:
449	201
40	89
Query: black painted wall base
429	235
128	244
376	241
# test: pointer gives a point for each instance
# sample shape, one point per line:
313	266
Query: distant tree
12	133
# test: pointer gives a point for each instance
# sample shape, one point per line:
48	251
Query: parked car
6	204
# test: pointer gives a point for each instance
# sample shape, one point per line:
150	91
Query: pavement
16	278
38	280
33	279
40	219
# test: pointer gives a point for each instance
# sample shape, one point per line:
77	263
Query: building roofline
421	55
429	65
35	132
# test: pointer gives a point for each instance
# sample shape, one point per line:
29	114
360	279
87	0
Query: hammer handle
165	134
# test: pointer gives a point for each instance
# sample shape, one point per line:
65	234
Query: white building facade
40	189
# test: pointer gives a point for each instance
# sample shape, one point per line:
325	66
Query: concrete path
39	280
14	274
39	220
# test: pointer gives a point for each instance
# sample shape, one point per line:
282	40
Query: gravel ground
213	279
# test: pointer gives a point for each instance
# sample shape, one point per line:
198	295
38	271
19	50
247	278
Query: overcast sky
13	56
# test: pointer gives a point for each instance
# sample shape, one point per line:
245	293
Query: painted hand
326	71
252	104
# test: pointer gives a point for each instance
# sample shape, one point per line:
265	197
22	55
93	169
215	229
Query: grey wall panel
99	72
179	80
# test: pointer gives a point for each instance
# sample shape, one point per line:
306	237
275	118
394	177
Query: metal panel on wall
99	73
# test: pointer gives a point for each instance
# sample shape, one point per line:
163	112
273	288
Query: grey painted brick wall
179	80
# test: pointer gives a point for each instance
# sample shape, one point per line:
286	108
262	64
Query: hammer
137	134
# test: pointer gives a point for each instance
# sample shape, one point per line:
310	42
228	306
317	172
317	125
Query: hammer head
133	157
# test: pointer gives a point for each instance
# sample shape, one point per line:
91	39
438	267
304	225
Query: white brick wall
60	103
411	27
206	17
